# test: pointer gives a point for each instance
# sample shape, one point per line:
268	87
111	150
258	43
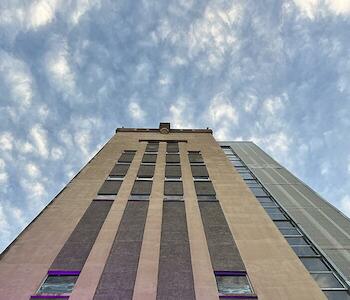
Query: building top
164	128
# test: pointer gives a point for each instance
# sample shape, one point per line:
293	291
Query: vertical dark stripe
223	251
77	248
175	278
118	277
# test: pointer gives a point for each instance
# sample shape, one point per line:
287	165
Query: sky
71	72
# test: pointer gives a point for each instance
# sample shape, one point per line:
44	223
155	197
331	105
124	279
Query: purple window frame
236	296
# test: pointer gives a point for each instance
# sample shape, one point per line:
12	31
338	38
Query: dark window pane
284	224
252	183
259	192
146	171
296	241
314	264
172	147
173	171
228	285
337	295
326	280
110	187
199	171
119	170
242	169
126	157
142	187
173	188
149	158
265	200
246	175
289	231
152	147
278	217
304	250
58	284
172	158
268	204
204	188
195	158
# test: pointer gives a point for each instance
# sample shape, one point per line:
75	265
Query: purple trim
230	273
238	296
49	296
63	272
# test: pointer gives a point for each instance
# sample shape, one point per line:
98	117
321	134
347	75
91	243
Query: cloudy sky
275	72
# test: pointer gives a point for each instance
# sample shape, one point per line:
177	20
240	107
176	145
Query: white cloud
32	170
273	105
345	205
41	13
6	141
18	78
308	7
34	188
136	111
59	66
180	113
81	7
339	7
57	153
3	173
220	109
39	137
24	147
4	227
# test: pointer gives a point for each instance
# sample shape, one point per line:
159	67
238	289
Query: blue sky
274	72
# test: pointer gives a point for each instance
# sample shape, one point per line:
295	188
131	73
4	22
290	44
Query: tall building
173	214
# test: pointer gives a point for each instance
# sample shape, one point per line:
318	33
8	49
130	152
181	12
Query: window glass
296	241
110	187
58	284
231	285
289	231
283	224
268	204
242	169
173	188
149	158
126	157
146	171
204	188
172	158
199	171
172	147
252	183
173	171
119	170
326	280
142	187
259	191
314	264
247	175
195	157
152	147
237	163
304	250
337	295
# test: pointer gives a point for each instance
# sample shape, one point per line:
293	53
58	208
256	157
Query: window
233	285
259	192
252	183
237	163
304	250
283	224
152	147
327	280
172	158
247	175
204	188
173	188
58	284
127	157
146	171
209	198
337	295
149	158
141	187
290	232
294	241
314	264
173	171
275	213
110	187
199	171
195	157
119	170
172	147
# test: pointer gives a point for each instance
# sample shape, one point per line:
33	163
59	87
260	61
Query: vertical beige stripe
203	275
89	277
147	273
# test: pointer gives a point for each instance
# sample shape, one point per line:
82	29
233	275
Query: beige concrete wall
275	271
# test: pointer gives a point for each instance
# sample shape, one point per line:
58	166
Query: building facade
173	214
